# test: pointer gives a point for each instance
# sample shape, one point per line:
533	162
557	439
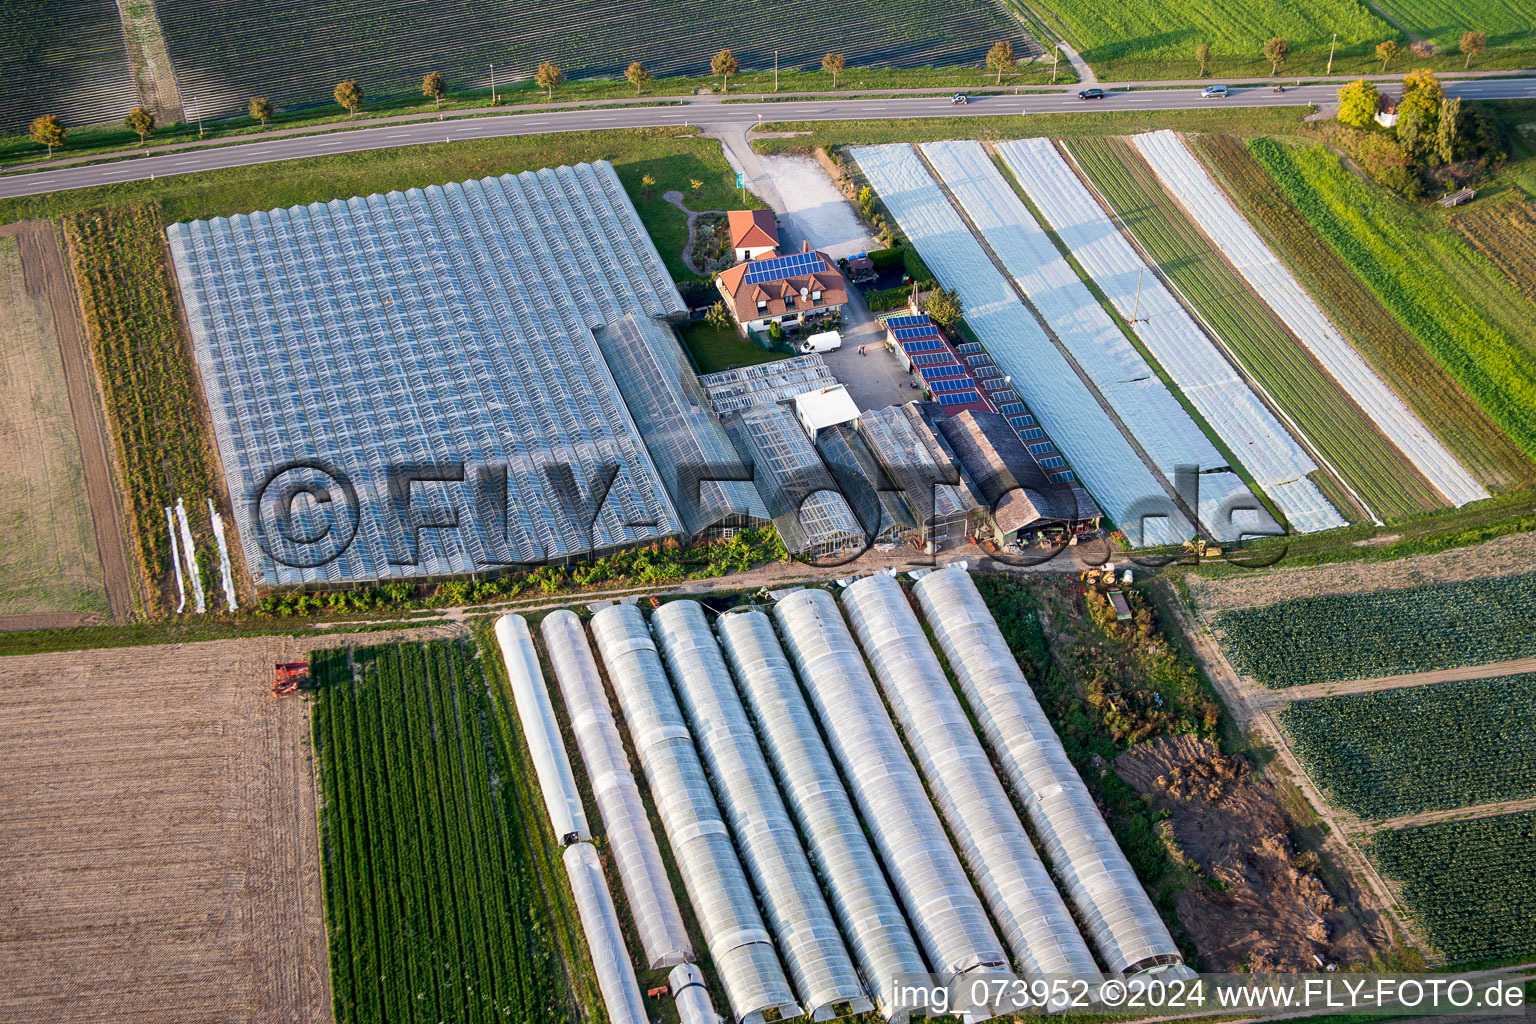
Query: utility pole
1055	61
1331	47
198	113
493	85
1136	317
775	70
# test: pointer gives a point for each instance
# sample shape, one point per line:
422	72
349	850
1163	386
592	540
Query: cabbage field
1421	748
1470	885
1391	632
432	896
66	59
295	51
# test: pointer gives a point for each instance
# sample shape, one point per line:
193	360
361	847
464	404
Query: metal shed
739	943
1017	887
605	939
946	915
808	938
628	829
877	933
1121	921
541	730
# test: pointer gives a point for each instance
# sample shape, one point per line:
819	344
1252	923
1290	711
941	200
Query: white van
826	341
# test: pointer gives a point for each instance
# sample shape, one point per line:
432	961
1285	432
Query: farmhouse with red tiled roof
791	290
754	233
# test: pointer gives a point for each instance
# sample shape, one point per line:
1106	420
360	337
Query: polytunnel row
1014	883
734	930
1120	918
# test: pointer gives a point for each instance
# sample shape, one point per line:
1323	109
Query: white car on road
1214	92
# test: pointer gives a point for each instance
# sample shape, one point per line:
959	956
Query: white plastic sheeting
628	829
541	730
1199	369
1209	207
446	326
189	552
1121	921
1015	883
691	996
226	574
181	583
872	921
1104	460
722	898
605	939
945	912
808	937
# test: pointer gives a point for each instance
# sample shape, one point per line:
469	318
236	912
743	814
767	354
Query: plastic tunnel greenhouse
541	730
808	937
630	839
605	939
738	940
1121	921
945	912
1012	878
691	996
872	921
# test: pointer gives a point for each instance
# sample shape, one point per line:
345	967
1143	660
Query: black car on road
1092	94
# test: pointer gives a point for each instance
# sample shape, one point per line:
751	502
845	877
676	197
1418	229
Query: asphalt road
708	112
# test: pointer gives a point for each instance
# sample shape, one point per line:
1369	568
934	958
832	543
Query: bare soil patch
1260	903
1502	556
158	846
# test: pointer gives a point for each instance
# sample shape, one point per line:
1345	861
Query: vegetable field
432	897
1159	36
1391	632
294	51
65	59
1506	235
1469	884
1411	371
1506	22
153	398
1268	352
1454	301
1422	748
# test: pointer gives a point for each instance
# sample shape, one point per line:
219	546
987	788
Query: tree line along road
707	113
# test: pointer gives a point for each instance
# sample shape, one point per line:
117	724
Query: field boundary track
1278	698
42	262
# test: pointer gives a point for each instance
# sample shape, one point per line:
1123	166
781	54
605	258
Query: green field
1390	632
1266	350
1469	884
1475	322
433	894
1510	23
1422	748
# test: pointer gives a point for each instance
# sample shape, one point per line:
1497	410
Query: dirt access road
159	858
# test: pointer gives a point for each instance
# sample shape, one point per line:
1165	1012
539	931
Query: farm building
1008	475
754	233
915	457
765	383
825	407
868	489
501	343
793	291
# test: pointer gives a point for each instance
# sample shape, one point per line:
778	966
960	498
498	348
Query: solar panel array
927	345
949	398
931	359
796	264
909	320
451	326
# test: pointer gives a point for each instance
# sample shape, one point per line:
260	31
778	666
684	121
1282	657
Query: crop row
1471	885
149	385
1457	304
66	59
1267	351
1390	632
1506	235
1421	748
1396	355
432	904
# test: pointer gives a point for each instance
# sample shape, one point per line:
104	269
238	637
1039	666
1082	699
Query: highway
708	112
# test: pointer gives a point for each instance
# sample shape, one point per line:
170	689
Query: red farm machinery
288	677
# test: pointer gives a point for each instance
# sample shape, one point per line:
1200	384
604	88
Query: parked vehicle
1214	92
958	99
1092	94
826	341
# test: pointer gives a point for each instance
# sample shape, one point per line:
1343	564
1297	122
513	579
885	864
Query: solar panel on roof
1020	422
908	333
1031	433
793	265
1054	462
932	358
909	320
969	347
1043	448
1013	409
946	370
1064	477
981	360
958	398
914	347
951	384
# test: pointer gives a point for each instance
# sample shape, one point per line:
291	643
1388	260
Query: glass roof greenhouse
443	334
